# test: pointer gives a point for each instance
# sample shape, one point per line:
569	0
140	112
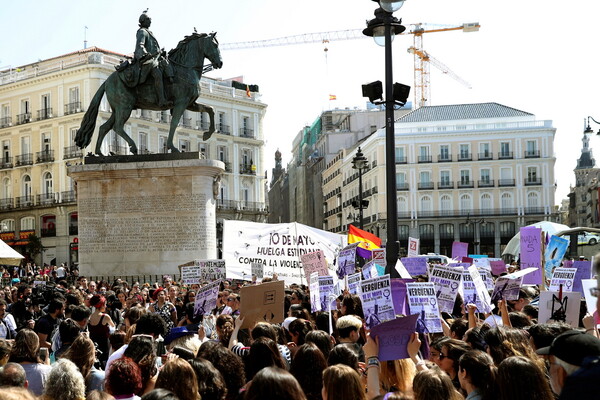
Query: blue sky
536	56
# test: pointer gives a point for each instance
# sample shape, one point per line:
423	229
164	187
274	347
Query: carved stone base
145	217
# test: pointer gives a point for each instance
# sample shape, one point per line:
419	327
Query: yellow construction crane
422	58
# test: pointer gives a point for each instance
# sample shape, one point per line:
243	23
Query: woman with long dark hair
274	384
477	375
520	378
25	352
308	365
263	353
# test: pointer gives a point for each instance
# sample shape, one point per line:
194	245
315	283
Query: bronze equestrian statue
128	88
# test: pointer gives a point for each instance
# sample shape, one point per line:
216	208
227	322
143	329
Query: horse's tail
85	132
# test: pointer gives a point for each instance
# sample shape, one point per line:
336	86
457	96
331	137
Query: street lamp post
588	128
359	162
383	25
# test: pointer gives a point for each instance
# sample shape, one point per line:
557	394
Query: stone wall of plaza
475	179
41	107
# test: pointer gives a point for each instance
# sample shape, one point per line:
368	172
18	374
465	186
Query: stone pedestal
145	215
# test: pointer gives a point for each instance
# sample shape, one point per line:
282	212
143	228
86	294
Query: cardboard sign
354	283
531	254
262	303
415	265
459	250
394	336
314	262
399	295
555	251
377	302
447	282
422	301
564	277
347	260
559	307
206	298
413	247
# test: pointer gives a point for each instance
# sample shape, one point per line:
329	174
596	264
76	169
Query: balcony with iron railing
23	118
485	183
465	184
506	182
505	155
534	210
486	155
533	181
6	204
532	154
44	156
44	113
463	156
401	160
425	185
446	185
68	196
24	159
247	133
5	122
249	169
424	159
24	201
6	163
224	129
444	157
73	108
72	152
47	199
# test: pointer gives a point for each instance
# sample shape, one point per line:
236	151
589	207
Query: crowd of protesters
67	337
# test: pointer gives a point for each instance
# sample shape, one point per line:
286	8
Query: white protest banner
413	247
377	302
314	262
422	301
447	281
469	291
559	307
211	270
347	260
369	270
354	283
378	257
564	277
481	290
190	274
315	303
258	270
326	290
206	298
277	246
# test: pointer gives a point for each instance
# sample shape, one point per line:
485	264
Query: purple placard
415	265
459	250
394	336
399	295
498	267
531	254
584	271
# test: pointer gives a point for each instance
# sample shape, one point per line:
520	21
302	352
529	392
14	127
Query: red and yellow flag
368	241
332	97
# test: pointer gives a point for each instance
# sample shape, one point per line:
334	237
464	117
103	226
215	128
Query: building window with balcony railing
444	155
531	150
27	224
465	179
466	204
400	155
426	206
485	152
48	225
485	202
506	202
425	182
73	224
464	152
507	229
402	205
505	152
445	205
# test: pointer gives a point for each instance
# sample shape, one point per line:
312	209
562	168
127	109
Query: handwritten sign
393	337
531	253
258	270
314	262
190	274
211	270
415	265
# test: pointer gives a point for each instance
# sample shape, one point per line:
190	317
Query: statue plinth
145	216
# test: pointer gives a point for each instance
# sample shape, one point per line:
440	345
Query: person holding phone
26	352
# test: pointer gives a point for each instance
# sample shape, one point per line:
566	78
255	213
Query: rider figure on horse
152	58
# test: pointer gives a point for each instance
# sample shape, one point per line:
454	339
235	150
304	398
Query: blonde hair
343	383
397	375
348	321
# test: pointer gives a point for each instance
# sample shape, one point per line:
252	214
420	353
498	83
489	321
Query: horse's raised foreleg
211	115
102	131
176	114
121	116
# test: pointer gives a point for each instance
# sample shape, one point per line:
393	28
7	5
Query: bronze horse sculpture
187	60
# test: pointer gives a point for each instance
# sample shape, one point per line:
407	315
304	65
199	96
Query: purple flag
531	254
584	271
459	250
394	336
399	295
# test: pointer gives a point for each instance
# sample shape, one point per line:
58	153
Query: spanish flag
367	240
332	97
